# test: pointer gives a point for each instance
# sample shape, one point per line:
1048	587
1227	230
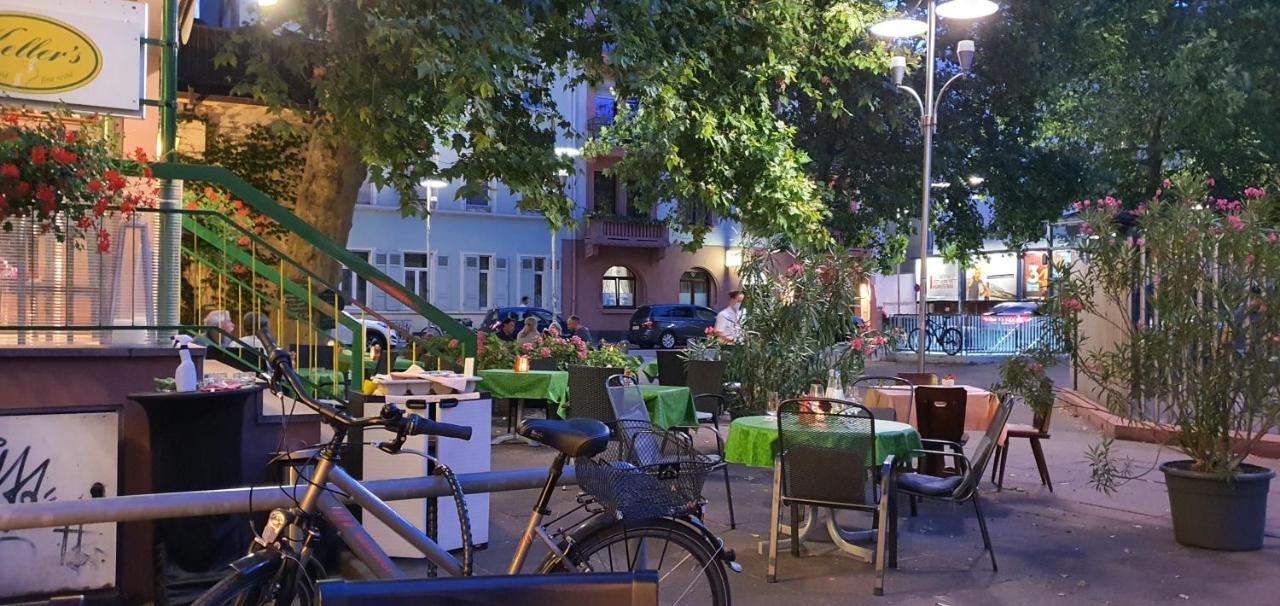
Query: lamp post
568	153
900	28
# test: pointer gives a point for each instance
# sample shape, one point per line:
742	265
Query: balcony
625	232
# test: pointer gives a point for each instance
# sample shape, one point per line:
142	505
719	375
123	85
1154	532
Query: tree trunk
1155	156
326	199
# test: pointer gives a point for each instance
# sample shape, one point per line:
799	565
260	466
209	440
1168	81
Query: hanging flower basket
64	180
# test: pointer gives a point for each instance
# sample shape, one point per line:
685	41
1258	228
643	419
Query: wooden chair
825	459
671	368
1038	430
940	416
962	487
919	378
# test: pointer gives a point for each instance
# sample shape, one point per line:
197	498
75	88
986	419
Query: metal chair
919	378
588	397
706	382
1038	430
671	368
962	487
940	416
825	454
628	405
859	387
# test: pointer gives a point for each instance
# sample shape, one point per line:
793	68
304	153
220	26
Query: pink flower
1249	260
1254	192
856	343
1073	305
582	355
545	352
1166	184
795	270
1085	229
1211	182
1036	367
526	347
1140	210
869	349
880	340
576	340
1272	237
1235	222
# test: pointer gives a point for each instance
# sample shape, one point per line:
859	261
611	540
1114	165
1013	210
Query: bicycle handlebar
391	417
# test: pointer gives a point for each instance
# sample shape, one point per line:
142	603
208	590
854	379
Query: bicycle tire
242	589
951	341
590	541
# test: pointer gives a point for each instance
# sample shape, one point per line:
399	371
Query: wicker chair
671	368
825	459
588	397
963	487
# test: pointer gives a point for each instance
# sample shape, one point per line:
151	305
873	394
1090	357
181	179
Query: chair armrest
693	428
958	456
886	475
709	395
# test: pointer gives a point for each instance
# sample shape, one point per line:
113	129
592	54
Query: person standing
524	302
729	320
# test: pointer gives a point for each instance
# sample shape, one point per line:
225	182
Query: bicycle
949	340
280	568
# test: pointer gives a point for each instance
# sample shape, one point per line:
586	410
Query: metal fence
977	334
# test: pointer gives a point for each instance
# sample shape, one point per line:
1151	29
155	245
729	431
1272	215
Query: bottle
835	388
184	377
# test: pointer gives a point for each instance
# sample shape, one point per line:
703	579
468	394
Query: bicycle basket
645	473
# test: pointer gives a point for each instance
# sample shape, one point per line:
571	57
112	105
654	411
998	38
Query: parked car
1017	312
376	332
669	326
493	319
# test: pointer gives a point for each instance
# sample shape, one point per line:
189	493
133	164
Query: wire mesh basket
646	472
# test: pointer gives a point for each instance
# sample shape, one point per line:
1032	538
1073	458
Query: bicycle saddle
574	437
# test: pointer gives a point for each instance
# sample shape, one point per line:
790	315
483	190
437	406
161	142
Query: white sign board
86	55
57	457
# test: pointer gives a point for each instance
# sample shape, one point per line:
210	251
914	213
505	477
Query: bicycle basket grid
645	473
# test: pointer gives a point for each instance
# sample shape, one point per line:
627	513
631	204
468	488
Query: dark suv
493	319
669	325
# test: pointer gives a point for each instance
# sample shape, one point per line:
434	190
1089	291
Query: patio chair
588	397
940	416
919	378
706	382
859	387
825	460
671	368
962	487
1033	433
628	405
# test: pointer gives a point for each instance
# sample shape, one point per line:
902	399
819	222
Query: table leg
511	436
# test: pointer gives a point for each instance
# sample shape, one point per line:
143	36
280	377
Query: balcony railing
604	231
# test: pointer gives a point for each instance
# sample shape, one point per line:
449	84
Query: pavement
1071	546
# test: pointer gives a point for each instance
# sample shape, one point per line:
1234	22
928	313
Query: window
475	281
619	288
354	287
695	287
417	274
706	315
604	192
533	280
480	200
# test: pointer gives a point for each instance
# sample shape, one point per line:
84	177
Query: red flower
240	269
10	170
95	185
37	155
104	241
63	156
236	203
69	137
24	189
192	206
115	181
11	118
100	207
84	222
139	155
147	172
243	241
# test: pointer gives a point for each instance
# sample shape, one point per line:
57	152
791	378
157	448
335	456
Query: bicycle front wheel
258	587
913	340
952	341
689	571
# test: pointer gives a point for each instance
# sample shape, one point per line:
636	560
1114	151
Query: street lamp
568	153
431	185
901	28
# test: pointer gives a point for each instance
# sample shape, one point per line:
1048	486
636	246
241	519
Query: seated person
507	331
256	323
220	329
578	329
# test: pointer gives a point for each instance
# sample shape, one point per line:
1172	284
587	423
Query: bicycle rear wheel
913	339
952	341
689	571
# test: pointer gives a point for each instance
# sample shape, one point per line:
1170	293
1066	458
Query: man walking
729	320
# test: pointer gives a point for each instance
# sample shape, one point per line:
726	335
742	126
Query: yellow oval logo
41	55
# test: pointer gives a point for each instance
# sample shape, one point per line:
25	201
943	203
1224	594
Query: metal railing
980	334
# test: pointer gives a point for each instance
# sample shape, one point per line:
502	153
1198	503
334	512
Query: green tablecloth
669	406
753	441
650	370
323	380
550	385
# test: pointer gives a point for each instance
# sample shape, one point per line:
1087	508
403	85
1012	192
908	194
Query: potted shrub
1186	288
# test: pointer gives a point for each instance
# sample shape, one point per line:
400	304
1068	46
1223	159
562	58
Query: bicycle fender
256	560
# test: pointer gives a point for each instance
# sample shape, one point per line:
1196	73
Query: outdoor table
650	370
669	406
980	405
549	385
753	441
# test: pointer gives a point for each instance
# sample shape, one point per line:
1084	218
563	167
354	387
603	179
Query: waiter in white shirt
729	320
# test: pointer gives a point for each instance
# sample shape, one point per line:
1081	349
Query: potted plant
1173	309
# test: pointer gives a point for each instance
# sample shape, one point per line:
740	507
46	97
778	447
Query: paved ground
1073	546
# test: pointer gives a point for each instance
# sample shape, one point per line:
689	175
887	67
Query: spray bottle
184	377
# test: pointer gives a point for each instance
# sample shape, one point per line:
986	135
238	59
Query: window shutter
471	282
442	283
379	298
395	267
501	283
